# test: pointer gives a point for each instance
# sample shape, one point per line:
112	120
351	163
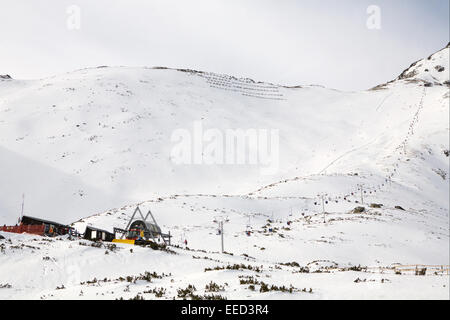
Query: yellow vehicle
124	241
134	236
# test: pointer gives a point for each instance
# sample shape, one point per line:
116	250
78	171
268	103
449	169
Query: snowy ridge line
180	196
244	86
226	79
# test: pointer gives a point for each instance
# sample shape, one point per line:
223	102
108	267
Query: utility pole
23	205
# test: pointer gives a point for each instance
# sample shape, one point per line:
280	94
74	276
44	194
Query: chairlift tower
220	221
361	189
151	229
322	197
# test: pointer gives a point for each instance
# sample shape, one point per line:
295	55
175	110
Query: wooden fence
32	229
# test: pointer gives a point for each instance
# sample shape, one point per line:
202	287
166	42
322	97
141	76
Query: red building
39	227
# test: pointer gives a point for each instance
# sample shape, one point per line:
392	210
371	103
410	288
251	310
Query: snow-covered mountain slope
88	146
433	70
40	268
103	136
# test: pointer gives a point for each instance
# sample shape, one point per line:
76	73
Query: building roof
148	225
97	229
45	221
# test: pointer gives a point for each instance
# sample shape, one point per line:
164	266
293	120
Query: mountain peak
433	70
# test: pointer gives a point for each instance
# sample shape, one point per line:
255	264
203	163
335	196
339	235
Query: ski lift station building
151	230
137	227
95	234
38	226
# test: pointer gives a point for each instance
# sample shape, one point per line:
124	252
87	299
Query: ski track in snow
87	147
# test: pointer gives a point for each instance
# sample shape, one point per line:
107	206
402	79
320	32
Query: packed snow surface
87	147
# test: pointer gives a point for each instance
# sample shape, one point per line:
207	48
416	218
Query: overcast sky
290	42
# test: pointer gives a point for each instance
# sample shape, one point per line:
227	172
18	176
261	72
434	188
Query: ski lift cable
396	165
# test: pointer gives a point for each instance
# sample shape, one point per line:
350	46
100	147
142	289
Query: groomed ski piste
358	206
